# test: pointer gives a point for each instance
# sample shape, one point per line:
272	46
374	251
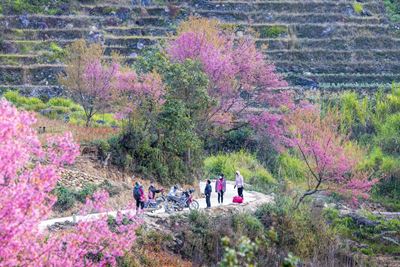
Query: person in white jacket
239	183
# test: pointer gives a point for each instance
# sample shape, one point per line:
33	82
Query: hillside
331	45
199	133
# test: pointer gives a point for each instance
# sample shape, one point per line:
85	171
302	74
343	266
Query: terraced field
321	44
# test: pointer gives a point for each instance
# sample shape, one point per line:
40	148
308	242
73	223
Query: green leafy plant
57	52
28	103
358	7
241	255
393	9
273	31
86	191
32	6
65	198
291	261
291	168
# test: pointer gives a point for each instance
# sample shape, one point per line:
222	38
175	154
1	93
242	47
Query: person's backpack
237	199
136	192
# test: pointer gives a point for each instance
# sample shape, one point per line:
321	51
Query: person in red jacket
220	188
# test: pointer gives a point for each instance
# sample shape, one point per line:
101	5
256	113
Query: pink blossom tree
28	173
88	79
239	75
97	88
139	94
331	159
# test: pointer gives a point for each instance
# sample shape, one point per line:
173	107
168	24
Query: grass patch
28	103
390	203
60	108
272	31
80	133
50	7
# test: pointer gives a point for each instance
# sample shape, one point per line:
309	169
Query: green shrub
163	145
57	53
244	254
12	96
33	6
65	198
249	225
60	102
199	219
292	168
28	103
390	200
272	31
393	9
59	108
86	191
106	119
388	137
353	111
358	7
385	105
378	161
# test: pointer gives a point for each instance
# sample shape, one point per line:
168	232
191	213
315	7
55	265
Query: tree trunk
87	121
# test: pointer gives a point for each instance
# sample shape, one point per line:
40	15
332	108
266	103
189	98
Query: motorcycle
156	204
174	203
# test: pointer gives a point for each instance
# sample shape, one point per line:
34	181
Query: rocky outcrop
77	179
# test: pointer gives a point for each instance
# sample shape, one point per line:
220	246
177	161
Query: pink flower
237	71
28	173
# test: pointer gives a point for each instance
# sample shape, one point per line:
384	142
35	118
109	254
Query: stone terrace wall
320	44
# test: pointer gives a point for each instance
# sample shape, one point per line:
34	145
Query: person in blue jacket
207	192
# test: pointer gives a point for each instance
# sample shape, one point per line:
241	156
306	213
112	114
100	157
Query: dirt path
228	195
251	199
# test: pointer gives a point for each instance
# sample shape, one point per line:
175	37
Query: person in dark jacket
220	188
138	195
207	192
153	191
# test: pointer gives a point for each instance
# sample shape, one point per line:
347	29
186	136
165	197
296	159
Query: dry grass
81	134
149	257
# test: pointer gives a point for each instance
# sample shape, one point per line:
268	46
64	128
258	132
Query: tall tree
240	77
331	159
88	78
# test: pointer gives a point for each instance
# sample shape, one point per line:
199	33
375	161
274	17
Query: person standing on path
207	192
138	195
220	188
239	183
153	191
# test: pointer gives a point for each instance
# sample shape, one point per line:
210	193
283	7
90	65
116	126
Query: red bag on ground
237	199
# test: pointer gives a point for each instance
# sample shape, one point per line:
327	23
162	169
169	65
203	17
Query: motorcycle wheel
172	206
194	205
160	199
